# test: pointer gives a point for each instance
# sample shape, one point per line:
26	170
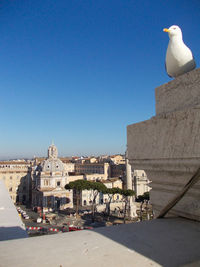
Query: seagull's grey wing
166	70
194	60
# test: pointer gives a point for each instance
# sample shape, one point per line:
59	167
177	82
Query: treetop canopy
100	187
86	185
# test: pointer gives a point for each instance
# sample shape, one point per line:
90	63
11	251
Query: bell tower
52	152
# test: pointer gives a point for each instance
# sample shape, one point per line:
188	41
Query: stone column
129	185
167	146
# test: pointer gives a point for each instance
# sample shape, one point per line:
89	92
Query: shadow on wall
24	190
8	233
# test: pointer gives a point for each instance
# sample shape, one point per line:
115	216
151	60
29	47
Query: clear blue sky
78	72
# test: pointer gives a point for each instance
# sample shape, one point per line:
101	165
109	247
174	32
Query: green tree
143	197
146	196
78	186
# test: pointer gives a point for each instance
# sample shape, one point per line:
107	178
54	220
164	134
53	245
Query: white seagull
179	58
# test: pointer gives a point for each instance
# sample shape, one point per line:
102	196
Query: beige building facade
92	168
69	167
113	183
17	178
117	159
141	183
136	180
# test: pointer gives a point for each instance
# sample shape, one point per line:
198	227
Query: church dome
52	163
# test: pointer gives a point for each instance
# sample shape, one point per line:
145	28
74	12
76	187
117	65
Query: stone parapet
183	92
167	146
170	135
172	242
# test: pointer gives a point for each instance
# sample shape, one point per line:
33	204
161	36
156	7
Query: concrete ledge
180	93
163	242
11	225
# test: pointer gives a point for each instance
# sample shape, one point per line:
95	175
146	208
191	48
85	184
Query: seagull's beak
166	30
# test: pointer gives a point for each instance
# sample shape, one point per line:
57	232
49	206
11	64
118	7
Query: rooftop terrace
163	242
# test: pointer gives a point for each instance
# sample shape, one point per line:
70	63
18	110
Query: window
46	182
58	183
10	177
10	189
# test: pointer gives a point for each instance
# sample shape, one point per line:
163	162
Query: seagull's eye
174	28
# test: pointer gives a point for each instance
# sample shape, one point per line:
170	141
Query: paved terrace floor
164	242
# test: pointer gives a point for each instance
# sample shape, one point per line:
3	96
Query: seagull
179	58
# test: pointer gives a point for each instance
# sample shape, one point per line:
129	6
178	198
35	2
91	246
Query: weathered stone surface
172	135
170	243
183	92
167	146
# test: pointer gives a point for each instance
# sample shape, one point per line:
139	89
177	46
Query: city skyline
79	72
61	156
45	155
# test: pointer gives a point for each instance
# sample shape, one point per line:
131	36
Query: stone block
167	146
181	93
170	135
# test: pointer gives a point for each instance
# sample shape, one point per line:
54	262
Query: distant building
49	180
113	183
87	160
42	181
92	168
86	198
140	182
117	159
69	167
118	170
17	178
136	180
